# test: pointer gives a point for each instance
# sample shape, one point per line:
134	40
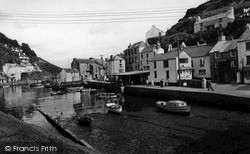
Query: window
167	74
165	64
147	55
141	56
202	62
233	53
216	65
155	73
132	59
232	63
216	54
135	59
141	62
248	60
192	63
183	60
247	46
147	61
135	51
154	64
202	72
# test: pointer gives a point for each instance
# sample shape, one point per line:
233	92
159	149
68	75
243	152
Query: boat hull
174	109
114	108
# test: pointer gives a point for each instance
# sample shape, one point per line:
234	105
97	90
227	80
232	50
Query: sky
60	30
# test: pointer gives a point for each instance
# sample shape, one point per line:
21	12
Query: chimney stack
222	38
247	27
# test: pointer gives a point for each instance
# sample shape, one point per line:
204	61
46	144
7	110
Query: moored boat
114	107
84	121
36	85
174	106
56	93
106	95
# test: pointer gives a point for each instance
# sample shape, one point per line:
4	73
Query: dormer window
216	54
233	53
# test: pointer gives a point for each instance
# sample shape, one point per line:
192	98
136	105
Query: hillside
8	54
184	29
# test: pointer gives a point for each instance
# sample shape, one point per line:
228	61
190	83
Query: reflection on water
19	100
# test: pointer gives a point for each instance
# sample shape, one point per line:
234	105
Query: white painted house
115	65
165	66
200	60
69	75
244	56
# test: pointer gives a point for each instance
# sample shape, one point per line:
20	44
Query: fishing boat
106	95
174	106
84	121
114	107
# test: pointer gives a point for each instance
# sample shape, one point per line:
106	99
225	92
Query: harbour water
141	128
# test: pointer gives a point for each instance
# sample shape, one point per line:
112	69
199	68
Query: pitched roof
116	57
245	36
165	56
148	48
70	70
233	45
136	45
82	60
220	46
198	51
215	17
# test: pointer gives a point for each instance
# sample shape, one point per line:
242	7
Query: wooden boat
113	107
56	93
106	95
174	106
84	121
36	85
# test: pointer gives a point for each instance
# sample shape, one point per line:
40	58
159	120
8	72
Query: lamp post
179	71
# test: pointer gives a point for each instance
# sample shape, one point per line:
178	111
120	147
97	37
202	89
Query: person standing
209	85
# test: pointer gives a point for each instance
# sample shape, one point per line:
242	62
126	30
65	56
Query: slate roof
136	45
233	45
82	60
220	46
165	56
215	17
71	70
245	36
148	48
116	57
198	51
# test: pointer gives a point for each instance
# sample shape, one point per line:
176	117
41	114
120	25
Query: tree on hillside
30	53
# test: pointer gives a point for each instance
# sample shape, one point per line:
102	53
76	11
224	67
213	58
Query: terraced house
132	57
218	20
89	68
166	66
244	56
224	61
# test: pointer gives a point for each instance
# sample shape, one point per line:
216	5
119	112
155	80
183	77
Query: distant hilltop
184	29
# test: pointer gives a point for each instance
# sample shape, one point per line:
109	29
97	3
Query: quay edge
192	97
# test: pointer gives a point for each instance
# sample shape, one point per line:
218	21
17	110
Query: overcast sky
60	30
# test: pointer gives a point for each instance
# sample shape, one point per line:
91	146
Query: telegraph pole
179	71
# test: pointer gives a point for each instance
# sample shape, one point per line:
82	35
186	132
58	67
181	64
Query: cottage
69	75
166	66
219	20
200	60
244	56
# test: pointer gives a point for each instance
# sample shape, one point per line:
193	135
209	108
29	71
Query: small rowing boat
113	107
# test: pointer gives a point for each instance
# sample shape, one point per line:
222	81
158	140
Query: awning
131	73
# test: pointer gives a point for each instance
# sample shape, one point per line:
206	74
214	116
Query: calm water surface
141	128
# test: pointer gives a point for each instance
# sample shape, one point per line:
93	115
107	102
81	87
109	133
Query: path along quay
141	128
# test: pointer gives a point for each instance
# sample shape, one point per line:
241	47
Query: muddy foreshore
15	133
